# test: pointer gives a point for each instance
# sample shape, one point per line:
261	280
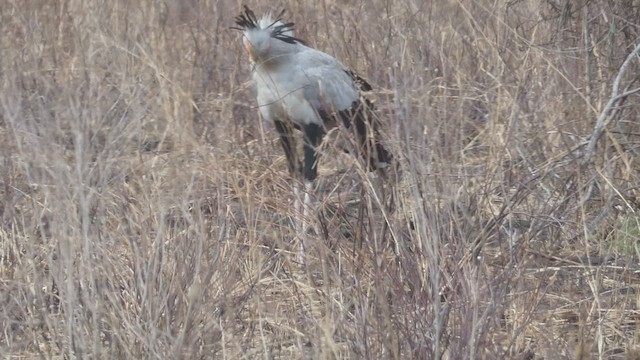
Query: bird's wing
308	87
328	85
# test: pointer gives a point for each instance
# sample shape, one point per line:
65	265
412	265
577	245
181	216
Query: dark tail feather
366	130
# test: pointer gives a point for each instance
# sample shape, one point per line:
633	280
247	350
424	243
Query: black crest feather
248	20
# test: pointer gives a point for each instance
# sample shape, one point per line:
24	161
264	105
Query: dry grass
146	210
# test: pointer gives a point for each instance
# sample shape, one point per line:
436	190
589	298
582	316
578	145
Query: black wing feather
362	84
359	117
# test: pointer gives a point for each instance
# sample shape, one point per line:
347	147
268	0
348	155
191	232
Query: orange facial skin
249	49
253	52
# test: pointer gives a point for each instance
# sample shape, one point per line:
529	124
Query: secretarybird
302	88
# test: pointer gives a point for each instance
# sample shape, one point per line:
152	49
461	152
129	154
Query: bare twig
604	117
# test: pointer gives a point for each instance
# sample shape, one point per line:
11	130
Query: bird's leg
299	209
312	137
285	129
297	204
306	214
289	146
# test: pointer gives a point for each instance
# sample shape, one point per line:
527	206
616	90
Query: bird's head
265	39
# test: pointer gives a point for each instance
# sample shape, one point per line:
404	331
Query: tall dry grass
146	210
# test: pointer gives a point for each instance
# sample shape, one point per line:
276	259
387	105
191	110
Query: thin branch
627	93
604	118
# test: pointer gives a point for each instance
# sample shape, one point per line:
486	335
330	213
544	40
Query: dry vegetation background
146	210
